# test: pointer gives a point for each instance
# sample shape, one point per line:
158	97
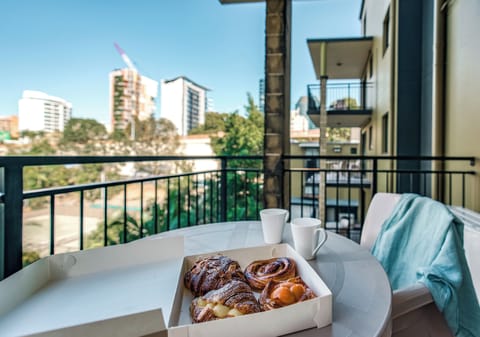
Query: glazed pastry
259	273
212	273
233	299
280	294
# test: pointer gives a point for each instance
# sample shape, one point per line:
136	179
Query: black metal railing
229	193
351	181
340	96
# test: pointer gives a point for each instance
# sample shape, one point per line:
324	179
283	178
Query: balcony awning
346	57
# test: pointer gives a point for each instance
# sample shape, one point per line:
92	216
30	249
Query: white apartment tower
184	103
131	95
38	111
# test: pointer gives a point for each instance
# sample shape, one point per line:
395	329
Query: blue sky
65	47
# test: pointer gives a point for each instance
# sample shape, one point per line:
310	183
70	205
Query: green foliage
339	134
214	123
82	131
29	257
243	136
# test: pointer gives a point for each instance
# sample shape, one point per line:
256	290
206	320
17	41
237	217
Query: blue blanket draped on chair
422	241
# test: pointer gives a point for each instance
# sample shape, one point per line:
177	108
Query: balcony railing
129	209
340	96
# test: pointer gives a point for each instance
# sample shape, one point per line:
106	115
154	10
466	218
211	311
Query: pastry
280	294
233	299
210	273
259	273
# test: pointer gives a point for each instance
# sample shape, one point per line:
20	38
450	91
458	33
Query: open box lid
94	289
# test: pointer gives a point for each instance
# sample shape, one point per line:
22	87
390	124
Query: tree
214	123
243	136
83	131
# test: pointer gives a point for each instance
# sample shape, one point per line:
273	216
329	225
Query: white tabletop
361	291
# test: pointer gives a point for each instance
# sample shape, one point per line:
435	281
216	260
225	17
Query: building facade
131	96
184	103
424	63
38	111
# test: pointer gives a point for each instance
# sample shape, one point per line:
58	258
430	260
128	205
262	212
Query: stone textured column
277	102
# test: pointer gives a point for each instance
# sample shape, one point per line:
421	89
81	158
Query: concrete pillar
277	102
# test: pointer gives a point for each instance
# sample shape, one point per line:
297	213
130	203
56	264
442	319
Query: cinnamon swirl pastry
212	273
259	273
233	299
280	294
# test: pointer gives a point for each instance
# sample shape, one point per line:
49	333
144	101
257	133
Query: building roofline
187	79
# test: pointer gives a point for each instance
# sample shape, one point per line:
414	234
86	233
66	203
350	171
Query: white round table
361	291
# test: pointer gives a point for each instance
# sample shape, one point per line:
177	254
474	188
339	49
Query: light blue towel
422	241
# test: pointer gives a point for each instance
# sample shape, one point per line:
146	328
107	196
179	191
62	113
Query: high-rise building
184	103
38	111
131	95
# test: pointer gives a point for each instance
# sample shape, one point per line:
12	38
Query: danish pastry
259	273
212	273
233	299
280	294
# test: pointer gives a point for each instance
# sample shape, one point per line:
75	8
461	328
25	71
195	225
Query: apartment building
132	95
184	103
417	63
38	111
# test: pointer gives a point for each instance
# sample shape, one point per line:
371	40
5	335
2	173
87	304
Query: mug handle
320	244
287	215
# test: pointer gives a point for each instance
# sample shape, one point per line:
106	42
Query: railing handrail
64	160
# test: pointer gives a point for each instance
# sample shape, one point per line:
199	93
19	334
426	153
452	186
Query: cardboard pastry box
136	289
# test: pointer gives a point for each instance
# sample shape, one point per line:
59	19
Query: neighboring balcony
345	104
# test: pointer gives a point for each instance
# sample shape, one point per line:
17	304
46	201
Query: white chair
414	314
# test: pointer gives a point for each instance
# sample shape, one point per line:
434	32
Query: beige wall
379	97
462	121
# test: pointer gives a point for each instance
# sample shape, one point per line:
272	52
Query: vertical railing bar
258	195
168	203
155	216
188	201
124	236
245	217
425	184
105	211
179	208
52	224
349	188
204	198
314	193
141	210
210	182
81	219
302	191
289	172
235	195
196	199
337	201
223	186
463	190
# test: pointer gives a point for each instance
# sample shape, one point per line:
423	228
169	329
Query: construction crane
125	57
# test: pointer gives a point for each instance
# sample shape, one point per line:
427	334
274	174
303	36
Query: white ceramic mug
273	223
306	234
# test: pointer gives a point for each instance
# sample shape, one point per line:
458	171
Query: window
386	31
385	133
370	138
